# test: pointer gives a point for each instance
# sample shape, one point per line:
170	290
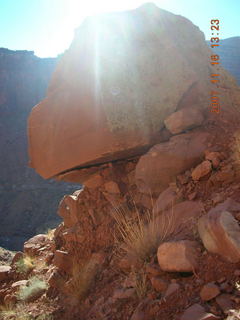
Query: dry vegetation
19	312
83	276
140	235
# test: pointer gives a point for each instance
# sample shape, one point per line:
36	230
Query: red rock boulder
163	162
122	76
220	234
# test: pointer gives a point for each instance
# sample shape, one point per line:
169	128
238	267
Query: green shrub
33	290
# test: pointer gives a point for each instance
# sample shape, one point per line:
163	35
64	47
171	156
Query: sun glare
73	14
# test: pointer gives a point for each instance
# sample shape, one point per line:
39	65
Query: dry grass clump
11	312
140	283
83	276
19	312
140	235
50	234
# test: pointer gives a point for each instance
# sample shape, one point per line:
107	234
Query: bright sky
47	26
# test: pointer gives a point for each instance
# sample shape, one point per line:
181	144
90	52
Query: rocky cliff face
229	52
27	202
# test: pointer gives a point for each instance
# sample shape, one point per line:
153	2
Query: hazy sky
47	26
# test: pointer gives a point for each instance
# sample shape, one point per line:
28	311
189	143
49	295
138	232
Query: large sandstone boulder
163	162
123	75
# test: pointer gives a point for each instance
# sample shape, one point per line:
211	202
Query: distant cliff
229	52
27	202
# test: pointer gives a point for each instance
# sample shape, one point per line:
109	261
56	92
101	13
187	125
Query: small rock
183	120
173	287
5	272
139	315
124	293
237	273
214	157
209	291
192	195
183	179
178	256
49	257
226	287
16	285
201	170
220	234
217	198
224	301
111	187
166	199
221	280
197	312
159	284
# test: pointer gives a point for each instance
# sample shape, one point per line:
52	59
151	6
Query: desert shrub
34	289
25	264
141	234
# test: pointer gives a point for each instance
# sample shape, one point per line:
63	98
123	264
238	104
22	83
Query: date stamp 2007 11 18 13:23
215	103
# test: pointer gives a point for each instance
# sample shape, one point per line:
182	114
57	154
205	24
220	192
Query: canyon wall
27	202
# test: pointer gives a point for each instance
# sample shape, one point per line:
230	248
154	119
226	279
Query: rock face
27	202
110	97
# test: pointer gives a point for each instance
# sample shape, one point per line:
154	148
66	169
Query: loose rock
209	291
5	272
178	256
220	233
159	284
197	312
201	170
184	119
163	162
